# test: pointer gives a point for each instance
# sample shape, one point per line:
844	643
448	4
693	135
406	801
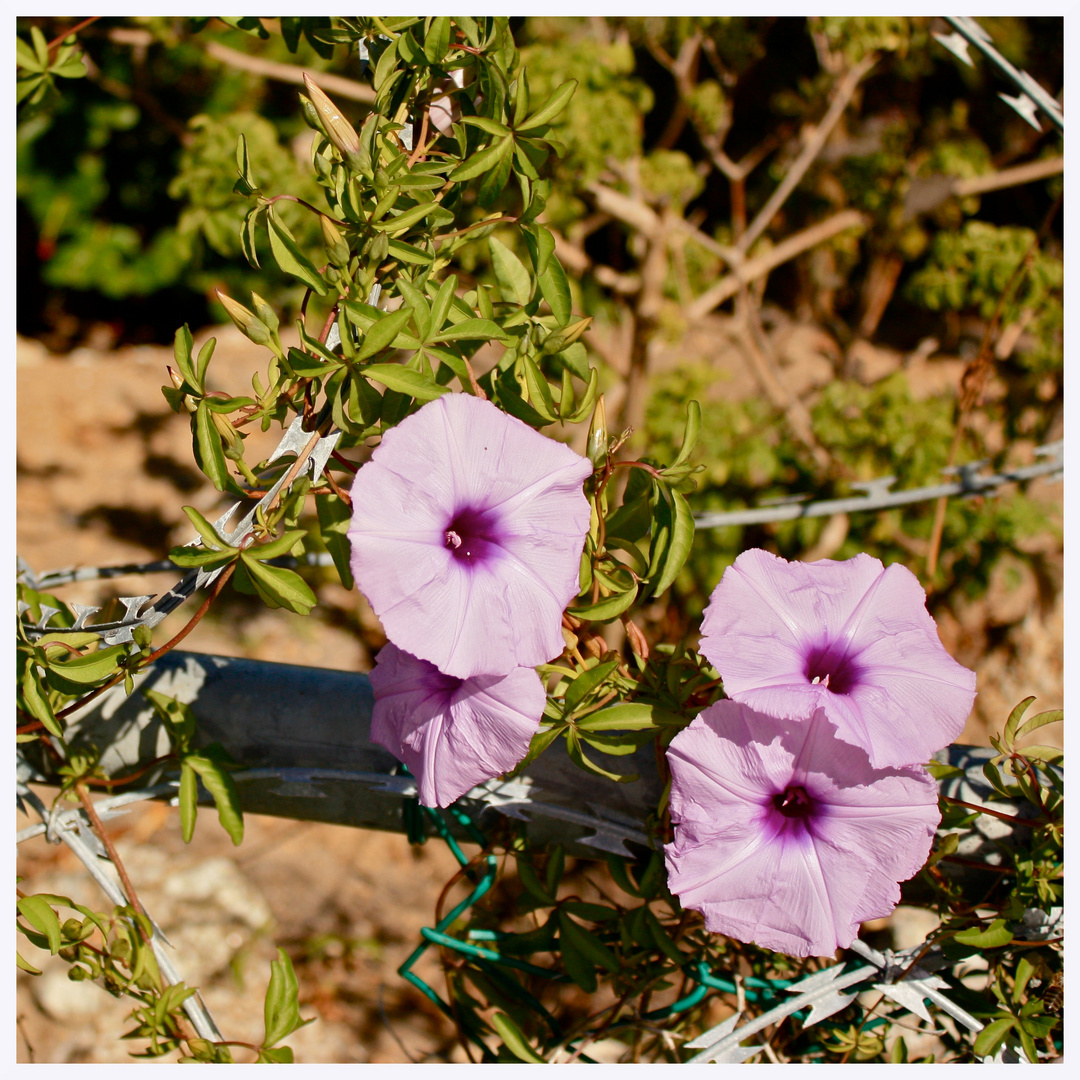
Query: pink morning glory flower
852	637
452	733
785	835
467	530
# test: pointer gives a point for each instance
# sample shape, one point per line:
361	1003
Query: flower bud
597	446
558	340
249	324
338	130
336	247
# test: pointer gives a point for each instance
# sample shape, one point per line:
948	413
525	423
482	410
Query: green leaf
410	254
209	535
629	716
189	801
515	1040
471	330
1052	716
282	545
528	877
577	966
178	718
282	1055
37	701
406	381
437	39
278	586
281	1010
555	289
513	278
310	367
1014	720
607	609
992	1036
408	218
485	123
380	334
25	965
216	779
994	936
209	454
483	160
83	671
617	743
586	683
539	390
290	258
37	911
551	108
690	432
334	517
587	943
1042	753
682	537
183	343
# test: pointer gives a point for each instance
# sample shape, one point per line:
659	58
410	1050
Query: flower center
471	535
793	802
839	674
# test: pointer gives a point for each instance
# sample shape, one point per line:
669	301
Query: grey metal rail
302	736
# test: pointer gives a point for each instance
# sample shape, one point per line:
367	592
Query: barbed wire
878	496
1031	97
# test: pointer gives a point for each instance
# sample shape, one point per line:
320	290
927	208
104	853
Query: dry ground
104	468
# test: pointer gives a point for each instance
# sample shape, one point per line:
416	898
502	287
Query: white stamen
453	540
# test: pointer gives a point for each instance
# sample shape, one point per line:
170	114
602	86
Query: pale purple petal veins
466	535
853	637
784	834
452	733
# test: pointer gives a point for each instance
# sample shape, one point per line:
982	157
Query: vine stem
110	849
58	41
1012	819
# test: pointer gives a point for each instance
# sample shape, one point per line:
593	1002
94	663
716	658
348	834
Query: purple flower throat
793	802
829	666
473	535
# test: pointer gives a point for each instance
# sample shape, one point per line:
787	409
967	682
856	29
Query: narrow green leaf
282	545
281	1010
86	669
1014	720
1042	753
407	218
209	535
471	329
437	39
485	123
278	586
574	961
690	432
515	1040
539	391
992	1036
189	801
334	517
607	609
183	343
993	937
551	108
25	965
513	278
36	700
483	160
290	258
217	780
528	877
587	943
380	334
406	381
682	537
177	716
586	683
408	253
629	716
37	911
209	454
1053	716
555	289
